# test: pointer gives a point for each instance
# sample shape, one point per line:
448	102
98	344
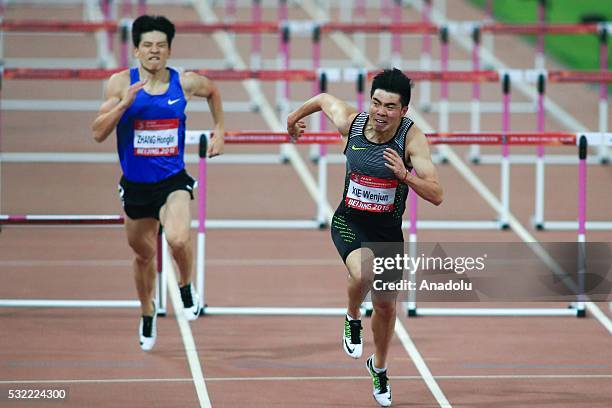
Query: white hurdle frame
201	224
576	309
410	306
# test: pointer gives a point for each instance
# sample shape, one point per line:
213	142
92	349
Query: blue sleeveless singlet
151	133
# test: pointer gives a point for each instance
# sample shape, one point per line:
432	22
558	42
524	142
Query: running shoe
352	339
191	302
381	388
147	330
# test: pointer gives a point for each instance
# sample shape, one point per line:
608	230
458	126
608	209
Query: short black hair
394	81
146	23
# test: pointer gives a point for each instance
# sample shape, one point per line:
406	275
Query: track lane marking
187	337
317	378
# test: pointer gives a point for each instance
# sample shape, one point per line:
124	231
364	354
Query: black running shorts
144	200
350	232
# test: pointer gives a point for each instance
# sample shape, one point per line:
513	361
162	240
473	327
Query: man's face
153	51
386	110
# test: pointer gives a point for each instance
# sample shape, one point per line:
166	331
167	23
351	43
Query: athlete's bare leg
383	326
384	305
175	217
142	238
358	285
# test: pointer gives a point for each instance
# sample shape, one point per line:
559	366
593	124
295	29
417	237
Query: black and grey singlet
371	190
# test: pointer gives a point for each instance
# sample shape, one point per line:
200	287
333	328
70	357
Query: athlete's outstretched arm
425	183
201	86
339	112
116	102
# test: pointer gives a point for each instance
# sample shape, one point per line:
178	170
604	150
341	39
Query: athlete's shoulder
120	77
415	138
118	83
414	130
356	116
356	120
192	81
191	77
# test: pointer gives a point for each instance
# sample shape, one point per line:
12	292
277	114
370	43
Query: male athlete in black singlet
381	146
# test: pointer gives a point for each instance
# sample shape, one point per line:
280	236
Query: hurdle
324	76
161	283
202	223
444	76
491	28
285	28
503	138
599	30
103	31
582	141
475	30
538	219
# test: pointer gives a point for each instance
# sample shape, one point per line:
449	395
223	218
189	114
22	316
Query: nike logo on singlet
358	148
173	101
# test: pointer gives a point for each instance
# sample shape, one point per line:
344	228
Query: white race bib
156	137
370	193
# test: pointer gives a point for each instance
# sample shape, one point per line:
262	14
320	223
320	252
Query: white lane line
420	365
599	315
420	378
187	336
244	262
318	378
98	381
51	263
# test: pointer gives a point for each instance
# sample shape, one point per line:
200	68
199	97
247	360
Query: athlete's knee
179	240
143	255
143	249
385	309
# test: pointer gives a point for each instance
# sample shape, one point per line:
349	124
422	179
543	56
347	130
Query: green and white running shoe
352	339
381	388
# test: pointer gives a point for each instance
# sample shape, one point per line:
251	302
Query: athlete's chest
172	103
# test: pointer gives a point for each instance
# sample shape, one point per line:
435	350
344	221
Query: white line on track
65	263
187	336
319	378
244	262
420	365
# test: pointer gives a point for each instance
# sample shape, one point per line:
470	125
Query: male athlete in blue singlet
146	105
380	147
